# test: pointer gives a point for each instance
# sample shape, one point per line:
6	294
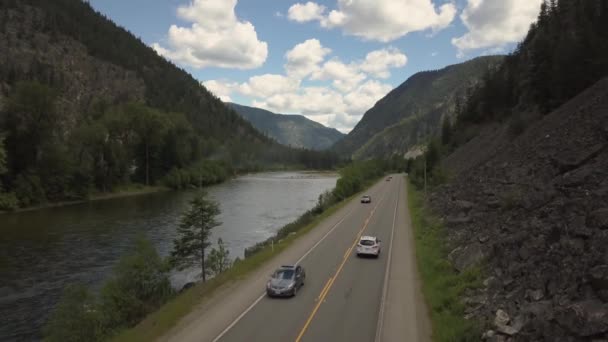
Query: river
41	251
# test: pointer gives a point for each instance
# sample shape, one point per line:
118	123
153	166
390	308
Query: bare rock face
584	319
599	219
535	209
465	257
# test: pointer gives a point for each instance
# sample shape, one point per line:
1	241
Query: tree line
110	146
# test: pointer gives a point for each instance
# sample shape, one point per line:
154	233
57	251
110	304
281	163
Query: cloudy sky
330	60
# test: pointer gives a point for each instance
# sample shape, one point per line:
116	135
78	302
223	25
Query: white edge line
380	324
263	294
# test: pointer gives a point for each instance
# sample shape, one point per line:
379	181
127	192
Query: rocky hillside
534	208
412	112
290	130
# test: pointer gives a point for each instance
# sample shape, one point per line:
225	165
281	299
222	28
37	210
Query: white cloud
305	57
386	20
215	38
378	62
268	85
221	88
365	96
494	23
344	77
349	90
305	12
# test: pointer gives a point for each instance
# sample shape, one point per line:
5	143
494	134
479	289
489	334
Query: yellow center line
324	288
347	253
330	283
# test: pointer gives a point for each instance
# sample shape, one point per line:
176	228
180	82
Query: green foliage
203	173
3	167
76	318
28	189
193	234
442	286
446	131
219	260
8	201
140	285
356	175
428	165
564	52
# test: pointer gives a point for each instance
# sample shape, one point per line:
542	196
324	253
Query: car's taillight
375	247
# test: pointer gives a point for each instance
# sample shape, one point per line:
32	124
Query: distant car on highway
366	199
286	281
388	178
368	245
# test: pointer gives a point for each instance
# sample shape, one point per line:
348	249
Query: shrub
76	318
8	201
140	285
29	190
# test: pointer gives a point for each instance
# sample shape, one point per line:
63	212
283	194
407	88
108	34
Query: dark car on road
286	281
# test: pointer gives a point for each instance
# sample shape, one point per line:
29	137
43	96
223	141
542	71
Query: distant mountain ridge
289	129
414	110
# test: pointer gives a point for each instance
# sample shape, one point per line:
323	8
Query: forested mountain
289	129
564	52
86	106
412	112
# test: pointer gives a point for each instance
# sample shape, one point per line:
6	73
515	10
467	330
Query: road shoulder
405	316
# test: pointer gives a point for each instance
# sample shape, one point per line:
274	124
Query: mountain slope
414	110
527	195
290	130
85	106
535	207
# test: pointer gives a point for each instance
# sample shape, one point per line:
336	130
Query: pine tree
193	234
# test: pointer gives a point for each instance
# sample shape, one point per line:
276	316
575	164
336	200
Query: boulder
464	206
535	295
491	282
584	319
187	286
503	323
465	257
598	219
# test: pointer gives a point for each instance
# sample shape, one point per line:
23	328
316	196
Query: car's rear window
367	242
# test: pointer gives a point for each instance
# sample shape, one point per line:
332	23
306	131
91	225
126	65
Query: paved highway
345	298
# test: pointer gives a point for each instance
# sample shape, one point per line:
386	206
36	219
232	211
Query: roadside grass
160	322
442	285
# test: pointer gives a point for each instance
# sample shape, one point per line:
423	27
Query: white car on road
368	245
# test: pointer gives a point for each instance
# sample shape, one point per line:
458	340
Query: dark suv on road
286	281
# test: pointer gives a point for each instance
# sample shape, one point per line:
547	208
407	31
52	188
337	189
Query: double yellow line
330	281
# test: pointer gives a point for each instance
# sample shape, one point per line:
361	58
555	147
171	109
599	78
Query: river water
42	251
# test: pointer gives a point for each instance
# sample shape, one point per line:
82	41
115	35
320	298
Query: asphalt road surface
345	298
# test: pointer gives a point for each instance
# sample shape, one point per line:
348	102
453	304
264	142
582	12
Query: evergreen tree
193	234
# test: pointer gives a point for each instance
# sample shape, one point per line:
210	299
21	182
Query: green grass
442	286
161	321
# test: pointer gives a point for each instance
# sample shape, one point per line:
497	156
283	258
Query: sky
330	60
